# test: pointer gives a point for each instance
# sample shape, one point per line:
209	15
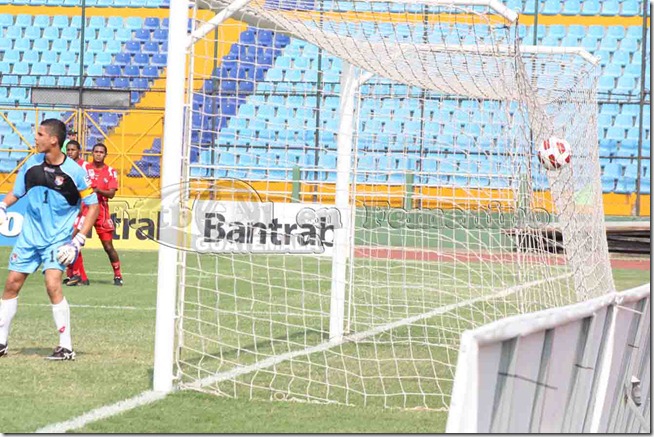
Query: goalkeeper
54	186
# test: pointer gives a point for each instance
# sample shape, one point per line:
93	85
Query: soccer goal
360	183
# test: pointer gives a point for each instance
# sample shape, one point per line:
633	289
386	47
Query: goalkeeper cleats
118	281
61	354
3	350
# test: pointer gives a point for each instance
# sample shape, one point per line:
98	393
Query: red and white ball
554	153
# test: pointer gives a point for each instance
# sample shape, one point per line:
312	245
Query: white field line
274	360
147	397
98	307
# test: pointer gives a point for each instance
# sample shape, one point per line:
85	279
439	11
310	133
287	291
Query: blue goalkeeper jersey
54	195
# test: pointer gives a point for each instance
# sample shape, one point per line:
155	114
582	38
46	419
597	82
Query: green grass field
113	331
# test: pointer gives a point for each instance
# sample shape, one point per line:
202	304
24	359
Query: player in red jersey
104	181
75	272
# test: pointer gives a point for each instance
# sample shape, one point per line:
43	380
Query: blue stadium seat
150	47
141	35
123	34
609	43
39	69
109	119
606	84
596	30
103	82
160	35
21	68
112	70
590	43
132	47
590	8
630	8
151	23
150	72
6	20
140	84
134	23
123	58
114	23
626	85
57	70
610	8
131	71
571	7
626	185
23	20
95	46
159	60
630	44
96	22
121	82
69	34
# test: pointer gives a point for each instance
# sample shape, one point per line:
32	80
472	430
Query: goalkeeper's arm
67	253
9	200
90	218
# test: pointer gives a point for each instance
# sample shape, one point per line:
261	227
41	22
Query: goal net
364	185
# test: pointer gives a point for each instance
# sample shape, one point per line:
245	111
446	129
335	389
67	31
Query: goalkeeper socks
8	308
116	267
78	267
61	314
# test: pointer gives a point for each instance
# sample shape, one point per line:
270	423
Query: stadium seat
630	8
571	7
150	72
23	20
160	35
610	8
132	47
103	82
112	70
6	20
150	47
151	23
141	35
590	8
159	60
134	23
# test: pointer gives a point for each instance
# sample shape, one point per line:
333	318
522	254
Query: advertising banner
215	227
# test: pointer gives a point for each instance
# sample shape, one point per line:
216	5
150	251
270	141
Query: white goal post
359	185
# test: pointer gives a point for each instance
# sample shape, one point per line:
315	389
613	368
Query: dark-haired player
104	181
54	187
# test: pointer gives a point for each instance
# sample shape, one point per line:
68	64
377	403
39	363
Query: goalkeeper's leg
60	313
9	306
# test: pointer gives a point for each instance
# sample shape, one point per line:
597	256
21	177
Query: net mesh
447	201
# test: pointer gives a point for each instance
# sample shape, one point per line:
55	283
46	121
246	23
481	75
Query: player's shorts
26	259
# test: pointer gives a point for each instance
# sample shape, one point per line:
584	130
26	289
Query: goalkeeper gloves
3	212
67	254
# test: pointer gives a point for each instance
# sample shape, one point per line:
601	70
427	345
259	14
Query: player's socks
8	308
116	267
61	314
78	266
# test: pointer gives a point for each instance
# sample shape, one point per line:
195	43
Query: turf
113	331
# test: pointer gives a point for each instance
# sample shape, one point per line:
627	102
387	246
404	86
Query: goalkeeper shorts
26	259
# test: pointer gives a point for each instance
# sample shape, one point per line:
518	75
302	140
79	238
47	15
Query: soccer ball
554	153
